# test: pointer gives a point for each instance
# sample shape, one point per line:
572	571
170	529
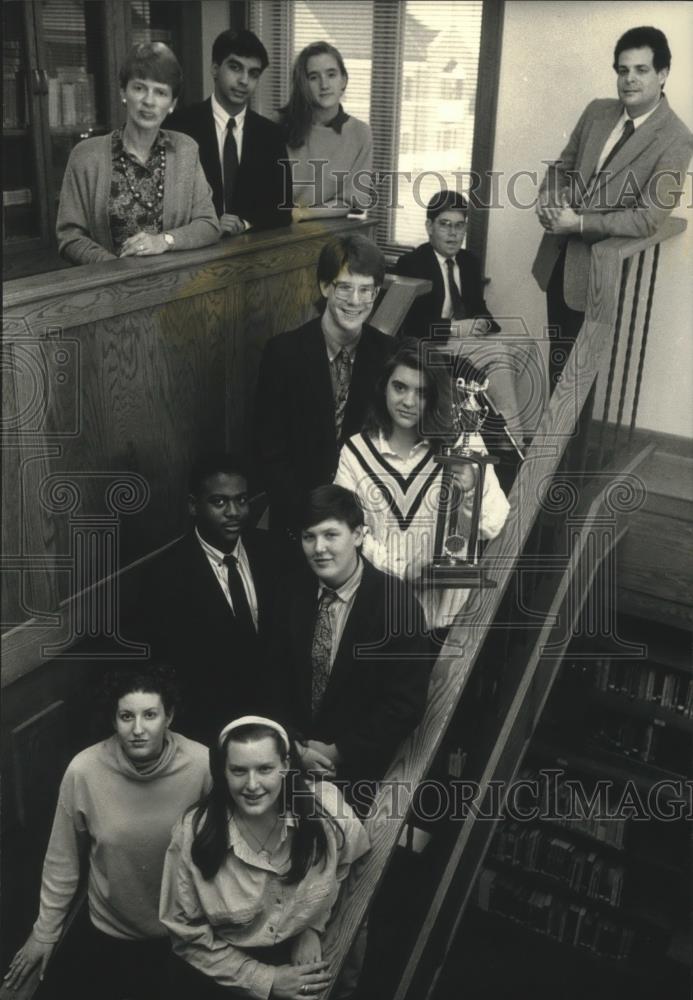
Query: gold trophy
456	556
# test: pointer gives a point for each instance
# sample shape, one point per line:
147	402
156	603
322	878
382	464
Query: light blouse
247	904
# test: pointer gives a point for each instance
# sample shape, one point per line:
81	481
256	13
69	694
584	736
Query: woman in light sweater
138	191
118	802
391	468
331	152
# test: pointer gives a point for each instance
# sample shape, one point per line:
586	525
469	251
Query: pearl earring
123	101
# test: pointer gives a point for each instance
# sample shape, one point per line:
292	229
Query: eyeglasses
364	293
451	227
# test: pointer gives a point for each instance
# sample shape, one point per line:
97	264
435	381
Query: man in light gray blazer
621	174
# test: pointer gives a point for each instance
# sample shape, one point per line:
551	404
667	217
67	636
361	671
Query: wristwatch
169	240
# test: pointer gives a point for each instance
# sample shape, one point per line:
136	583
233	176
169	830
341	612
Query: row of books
570	923
669	689
566	811
13	105
638	739
71	98
582	871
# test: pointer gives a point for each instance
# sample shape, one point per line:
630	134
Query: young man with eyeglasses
455	311
315	383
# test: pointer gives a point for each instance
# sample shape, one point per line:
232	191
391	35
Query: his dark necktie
628	129
321	650
342	367
241	608
458	309
230	164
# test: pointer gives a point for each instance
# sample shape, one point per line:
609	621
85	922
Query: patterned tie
458	310
241	608
321	650
230	163
628	129
342	368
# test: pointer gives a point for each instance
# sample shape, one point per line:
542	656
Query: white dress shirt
617	132
221	572
221	118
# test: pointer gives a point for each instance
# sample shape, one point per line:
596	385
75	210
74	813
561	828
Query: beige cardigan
83	231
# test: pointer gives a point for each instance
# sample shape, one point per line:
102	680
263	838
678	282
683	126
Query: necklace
156	180
262	844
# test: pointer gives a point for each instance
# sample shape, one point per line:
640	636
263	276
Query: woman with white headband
253	872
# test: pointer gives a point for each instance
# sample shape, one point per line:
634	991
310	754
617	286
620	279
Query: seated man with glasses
455	309
316	383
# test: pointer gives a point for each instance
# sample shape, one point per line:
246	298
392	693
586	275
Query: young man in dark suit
316	383
455	310
205	601
241	152
349	656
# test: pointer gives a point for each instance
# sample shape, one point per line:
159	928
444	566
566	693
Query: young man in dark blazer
349	658
316	383
455	310
205	601
241	152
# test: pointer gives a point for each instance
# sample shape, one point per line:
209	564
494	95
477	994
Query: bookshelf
605	870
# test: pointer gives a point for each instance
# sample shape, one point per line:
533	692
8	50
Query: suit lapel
600	130
317	368
302	625
356	632
203	585
644	136
209	149
436	277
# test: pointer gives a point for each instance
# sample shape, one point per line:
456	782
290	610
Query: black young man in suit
240	151
349	657
205	601
316	383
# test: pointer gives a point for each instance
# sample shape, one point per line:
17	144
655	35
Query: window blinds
413	70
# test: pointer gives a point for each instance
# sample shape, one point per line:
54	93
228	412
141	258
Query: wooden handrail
458	656
563	609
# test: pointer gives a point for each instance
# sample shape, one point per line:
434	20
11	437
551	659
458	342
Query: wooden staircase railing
503	558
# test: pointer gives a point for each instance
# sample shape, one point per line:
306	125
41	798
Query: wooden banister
458	656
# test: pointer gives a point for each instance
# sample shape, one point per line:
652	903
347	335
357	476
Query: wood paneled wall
115	376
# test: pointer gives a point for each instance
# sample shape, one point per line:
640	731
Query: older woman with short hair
140	190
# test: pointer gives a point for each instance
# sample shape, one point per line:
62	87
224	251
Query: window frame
387	77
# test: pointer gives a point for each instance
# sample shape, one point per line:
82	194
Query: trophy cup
456	557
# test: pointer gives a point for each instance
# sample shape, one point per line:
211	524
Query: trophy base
446	575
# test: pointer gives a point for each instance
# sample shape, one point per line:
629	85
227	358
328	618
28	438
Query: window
413	70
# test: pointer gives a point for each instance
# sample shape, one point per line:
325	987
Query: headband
255	720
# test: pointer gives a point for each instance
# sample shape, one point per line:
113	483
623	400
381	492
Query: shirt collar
242	849
162	141
337	122
216	554
637	122
385	449
221	115
334	347
348	588
442	260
